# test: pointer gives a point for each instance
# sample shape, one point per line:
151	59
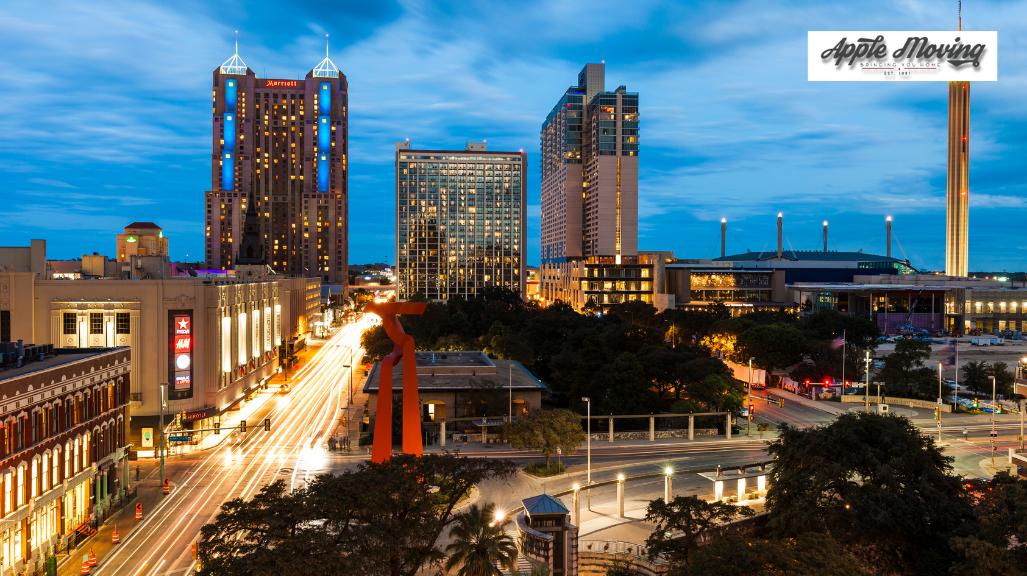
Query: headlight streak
290	419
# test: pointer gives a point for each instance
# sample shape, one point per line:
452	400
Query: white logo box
902	56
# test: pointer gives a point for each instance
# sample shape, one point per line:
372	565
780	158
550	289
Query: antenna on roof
960	15
236	42
326	45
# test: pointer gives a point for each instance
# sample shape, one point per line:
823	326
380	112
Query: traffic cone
85	568
115	539
92	558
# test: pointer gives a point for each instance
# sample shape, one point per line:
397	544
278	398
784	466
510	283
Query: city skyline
731	127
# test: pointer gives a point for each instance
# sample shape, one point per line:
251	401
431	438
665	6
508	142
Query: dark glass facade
459	222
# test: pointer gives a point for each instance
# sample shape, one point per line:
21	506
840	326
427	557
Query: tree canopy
873	482
381	519
682	523
545	431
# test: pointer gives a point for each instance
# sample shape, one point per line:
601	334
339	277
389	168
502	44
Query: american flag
950	358
838	342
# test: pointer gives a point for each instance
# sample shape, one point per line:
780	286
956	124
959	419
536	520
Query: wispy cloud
52	183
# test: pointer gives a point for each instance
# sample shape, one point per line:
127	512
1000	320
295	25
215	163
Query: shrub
540	470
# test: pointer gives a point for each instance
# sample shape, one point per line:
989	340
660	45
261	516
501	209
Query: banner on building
180	354
902	56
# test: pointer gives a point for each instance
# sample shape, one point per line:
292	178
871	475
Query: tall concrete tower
958	194
957	221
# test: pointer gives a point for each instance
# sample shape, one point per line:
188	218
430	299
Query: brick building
63	448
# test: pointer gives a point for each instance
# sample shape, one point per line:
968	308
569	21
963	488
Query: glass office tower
460	218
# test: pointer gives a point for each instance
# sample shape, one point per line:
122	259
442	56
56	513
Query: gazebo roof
543	504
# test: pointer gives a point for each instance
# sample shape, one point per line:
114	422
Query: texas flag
950	351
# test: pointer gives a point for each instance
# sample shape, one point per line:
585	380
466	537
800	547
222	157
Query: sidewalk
149	494
1001	463
833	408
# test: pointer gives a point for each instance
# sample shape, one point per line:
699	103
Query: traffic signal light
936	413
975	403
183	417
242	426
193	550
178	419
267	424
752	409
217	427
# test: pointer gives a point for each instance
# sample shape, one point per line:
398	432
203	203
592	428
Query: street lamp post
509	417
162	385
939	402
588	443
867	389
993	406
748	429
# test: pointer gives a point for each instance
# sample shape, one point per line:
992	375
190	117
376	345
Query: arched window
55	466
45	469
21	485
67	460
7	493
34	478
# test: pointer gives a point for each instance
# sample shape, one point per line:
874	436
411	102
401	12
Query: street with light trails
293	451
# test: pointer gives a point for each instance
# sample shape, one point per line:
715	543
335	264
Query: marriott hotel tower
281	144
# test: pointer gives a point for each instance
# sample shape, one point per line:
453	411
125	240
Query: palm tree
479	544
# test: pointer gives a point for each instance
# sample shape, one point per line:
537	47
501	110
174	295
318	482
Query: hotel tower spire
958	179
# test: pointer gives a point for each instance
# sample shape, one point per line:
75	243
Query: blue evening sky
106	115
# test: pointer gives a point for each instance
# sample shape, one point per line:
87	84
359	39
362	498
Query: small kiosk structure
546	535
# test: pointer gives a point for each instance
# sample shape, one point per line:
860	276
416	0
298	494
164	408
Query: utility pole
509	418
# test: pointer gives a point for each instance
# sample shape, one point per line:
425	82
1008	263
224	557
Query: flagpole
843	360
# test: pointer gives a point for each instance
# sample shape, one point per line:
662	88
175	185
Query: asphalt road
240	467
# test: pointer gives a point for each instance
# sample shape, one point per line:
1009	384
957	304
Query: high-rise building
590	197
459	221
282	145
957	222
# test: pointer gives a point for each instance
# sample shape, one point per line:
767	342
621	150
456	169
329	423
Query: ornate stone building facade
63	448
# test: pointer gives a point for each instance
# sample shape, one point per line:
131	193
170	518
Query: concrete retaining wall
911	402
644	435
596	564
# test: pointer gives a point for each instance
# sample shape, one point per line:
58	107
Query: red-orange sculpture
381	449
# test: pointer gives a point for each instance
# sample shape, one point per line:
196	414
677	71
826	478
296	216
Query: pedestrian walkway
478	447
356	411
